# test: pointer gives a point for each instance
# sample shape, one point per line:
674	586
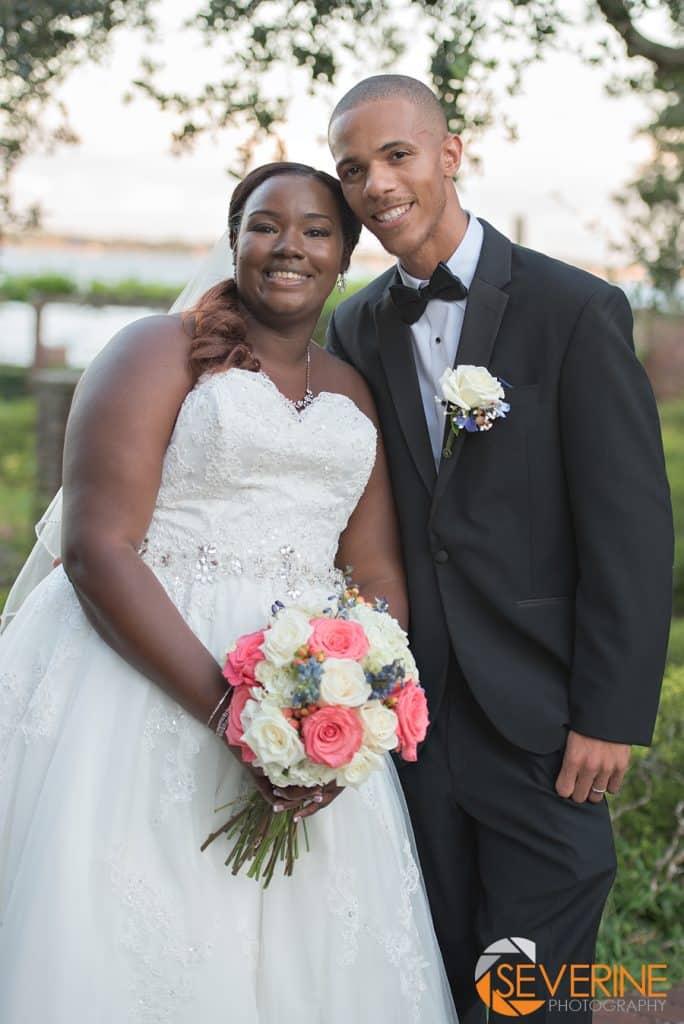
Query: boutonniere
472	399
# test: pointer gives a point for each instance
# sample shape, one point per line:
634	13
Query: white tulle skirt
109	912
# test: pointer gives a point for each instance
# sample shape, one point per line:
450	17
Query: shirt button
438	341
441	556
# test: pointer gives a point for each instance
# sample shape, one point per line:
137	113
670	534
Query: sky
576	147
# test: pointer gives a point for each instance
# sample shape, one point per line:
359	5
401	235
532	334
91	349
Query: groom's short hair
390	87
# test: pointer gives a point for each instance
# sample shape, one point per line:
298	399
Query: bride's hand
306	800
311	798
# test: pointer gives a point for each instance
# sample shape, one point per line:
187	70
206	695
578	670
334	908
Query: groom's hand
591	768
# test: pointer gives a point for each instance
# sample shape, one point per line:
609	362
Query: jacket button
441	556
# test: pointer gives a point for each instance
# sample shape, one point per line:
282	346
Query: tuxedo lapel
396	353
484	312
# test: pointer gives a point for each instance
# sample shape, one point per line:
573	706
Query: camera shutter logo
509	1004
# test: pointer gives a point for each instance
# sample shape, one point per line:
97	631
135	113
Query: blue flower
383	682
307	682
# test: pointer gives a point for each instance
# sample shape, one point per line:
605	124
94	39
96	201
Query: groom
539	554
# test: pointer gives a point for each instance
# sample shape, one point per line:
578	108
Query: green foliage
672	418
675	652
17	486
14	382
132	291
25	287
32	287
644	919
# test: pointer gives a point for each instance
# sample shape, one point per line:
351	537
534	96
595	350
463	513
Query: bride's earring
341	282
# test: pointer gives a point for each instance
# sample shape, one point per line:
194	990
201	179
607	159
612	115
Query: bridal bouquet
319	696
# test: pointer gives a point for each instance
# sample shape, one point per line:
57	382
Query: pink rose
412	719
235	730
332	735
338	638
243	659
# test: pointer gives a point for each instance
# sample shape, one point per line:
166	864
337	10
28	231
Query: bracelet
223	723
220	704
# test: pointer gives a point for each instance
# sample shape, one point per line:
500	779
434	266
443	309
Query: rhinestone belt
205	564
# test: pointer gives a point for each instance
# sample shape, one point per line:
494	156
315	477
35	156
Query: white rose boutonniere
472	398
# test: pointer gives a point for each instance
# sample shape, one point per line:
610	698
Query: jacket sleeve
620	499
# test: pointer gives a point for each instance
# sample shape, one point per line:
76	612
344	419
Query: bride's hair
217	322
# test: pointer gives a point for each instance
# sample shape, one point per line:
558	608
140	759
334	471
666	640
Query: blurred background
124	126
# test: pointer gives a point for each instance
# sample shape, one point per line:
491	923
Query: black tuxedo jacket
542	550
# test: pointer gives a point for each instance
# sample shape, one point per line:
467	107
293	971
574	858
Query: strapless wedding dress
109	912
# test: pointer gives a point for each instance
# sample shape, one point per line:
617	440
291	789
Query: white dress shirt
437	333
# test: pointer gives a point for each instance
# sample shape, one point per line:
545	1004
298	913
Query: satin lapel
396	354
484	312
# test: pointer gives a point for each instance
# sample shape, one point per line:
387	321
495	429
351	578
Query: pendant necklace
301	404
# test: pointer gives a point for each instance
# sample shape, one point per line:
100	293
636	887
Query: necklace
302	403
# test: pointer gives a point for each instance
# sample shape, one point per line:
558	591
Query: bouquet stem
261	839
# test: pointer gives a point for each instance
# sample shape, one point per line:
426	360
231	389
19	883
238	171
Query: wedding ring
595	790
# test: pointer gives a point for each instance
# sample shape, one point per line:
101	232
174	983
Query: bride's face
289	248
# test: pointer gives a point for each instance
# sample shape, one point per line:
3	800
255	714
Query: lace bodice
252	487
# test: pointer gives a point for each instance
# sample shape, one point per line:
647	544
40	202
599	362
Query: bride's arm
118	431
370	543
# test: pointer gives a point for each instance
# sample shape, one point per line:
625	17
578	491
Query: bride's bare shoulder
148	360
161	338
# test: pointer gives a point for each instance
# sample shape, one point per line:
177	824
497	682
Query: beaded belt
205	563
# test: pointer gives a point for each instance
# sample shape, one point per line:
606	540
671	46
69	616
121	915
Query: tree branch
667	58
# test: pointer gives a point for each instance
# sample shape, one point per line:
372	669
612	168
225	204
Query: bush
17	487
644	919
672	417
14	382
132	291
675	653
24	287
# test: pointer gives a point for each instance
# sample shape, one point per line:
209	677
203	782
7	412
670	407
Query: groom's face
396	170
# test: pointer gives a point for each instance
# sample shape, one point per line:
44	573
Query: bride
215	461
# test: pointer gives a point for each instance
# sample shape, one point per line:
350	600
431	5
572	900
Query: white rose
273	739
379	726
359	768
343	682
470	387
290	631
388	641
275	681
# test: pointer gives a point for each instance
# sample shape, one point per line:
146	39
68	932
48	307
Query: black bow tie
411	302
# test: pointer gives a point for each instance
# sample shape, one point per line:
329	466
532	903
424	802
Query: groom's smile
392	216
